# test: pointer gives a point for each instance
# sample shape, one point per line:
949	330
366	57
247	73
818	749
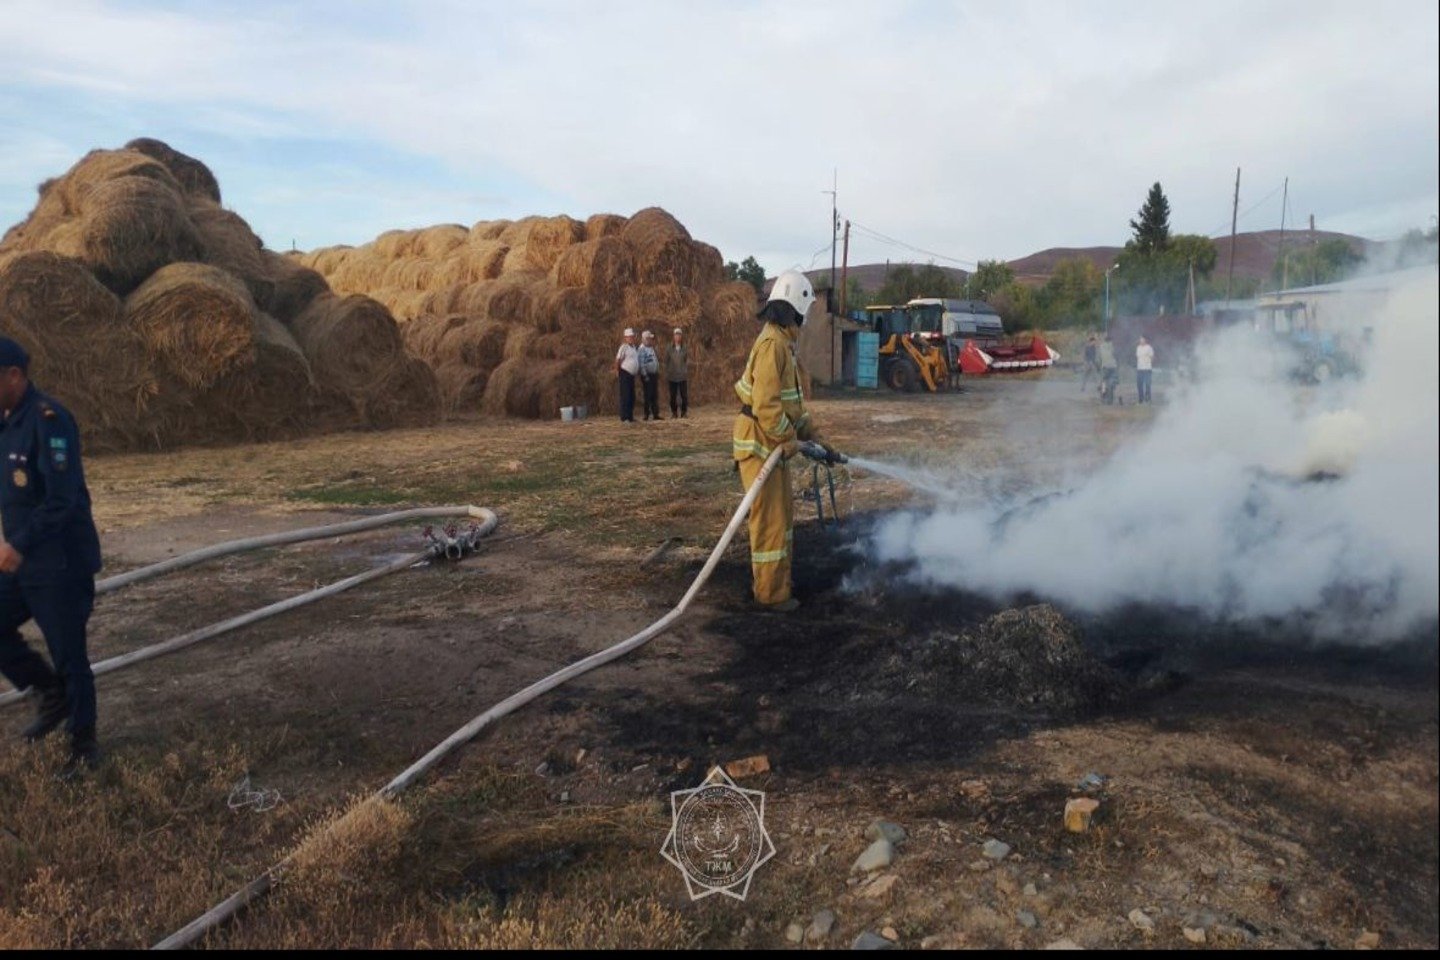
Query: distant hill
872	275
1255	256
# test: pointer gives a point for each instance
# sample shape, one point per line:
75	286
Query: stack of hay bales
524	317
160	318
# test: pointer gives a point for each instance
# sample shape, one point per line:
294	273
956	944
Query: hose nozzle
821	454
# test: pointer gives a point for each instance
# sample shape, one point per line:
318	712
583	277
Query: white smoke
1218	507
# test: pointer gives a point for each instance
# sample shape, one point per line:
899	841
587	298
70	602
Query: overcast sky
970	130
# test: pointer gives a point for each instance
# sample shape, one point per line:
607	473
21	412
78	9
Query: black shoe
50	712
85	754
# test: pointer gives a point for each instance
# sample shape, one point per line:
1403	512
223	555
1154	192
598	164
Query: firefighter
772	415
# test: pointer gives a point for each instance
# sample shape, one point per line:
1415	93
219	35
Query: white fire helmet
794	288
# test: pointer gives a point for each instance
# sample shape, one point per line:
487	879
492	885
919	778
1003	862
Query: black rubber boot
50	712
85	753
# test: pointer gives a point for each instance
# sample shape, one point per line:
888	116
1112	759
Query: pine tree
1152	230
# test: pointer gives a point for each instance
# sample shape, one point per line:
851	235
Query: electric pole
834	192
845	270
1234	220
1284	208
1314	266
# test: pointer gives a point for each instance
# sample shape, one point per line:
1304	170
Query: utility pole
834	192
1314	279
1234	219
1284	264
844	277
1190	294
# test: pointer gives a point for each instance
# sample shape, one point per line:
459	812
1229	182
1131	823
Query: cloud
973	130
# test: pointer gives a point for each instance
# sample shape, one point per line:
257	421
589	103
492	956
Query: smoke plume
1249	499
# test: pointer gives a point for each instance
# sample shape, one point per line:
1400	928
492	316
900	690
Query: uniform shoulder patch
47	411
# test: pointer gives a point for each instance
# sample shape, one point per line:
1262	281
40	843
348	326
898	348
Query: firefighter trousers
772	519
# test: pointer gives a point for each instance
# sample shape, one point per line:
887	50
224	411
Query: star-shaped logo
717	836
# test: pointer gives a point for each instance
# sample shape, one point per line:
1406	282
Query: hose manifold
451	544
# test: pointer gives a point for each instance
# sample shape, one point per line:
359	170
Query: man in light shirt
627	366
1144	366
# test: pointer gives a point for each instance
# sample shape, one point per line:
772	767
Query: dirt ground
1268	792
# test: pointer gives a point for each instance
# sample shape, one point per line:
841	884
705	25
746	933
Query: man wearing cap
677	375
627	366
49	557
650	375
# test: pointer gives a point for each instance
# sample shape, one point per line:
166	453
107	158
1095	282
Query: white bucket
567	414
581	412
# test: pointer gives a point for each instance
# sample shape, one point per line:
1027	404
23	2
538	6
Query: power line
1250	209
877	235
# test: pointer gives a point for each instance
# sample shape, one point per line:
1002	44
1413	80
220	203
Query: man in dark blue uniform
49	556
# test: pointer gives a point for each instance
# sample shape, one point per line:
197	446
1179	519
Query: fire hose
261	885
451	544
288	537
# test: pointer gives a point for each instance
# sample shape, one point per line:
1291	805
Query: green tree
1016	304
1152	230
990	277
1327	261
905	283
1073	296
748	270
856	296
1155	281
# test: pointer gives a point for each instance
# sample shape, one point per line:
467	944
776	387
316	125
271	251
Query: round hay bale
661	307
651	228
81	349
560	309
133	226
537	242
422	335
327	260
362	271
731	309
508	299
489	229
193	176
409	273
49	213
197	321
519	343
526	388
434	243
603	268
477	344
677	261
271	399
485	259
604	225
404	305
709	264
101	166
355	349
461	387
292	287
227	242
459	269
393	244
67	238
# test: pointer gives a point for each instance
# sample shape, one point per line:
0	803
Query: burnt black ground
827	687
